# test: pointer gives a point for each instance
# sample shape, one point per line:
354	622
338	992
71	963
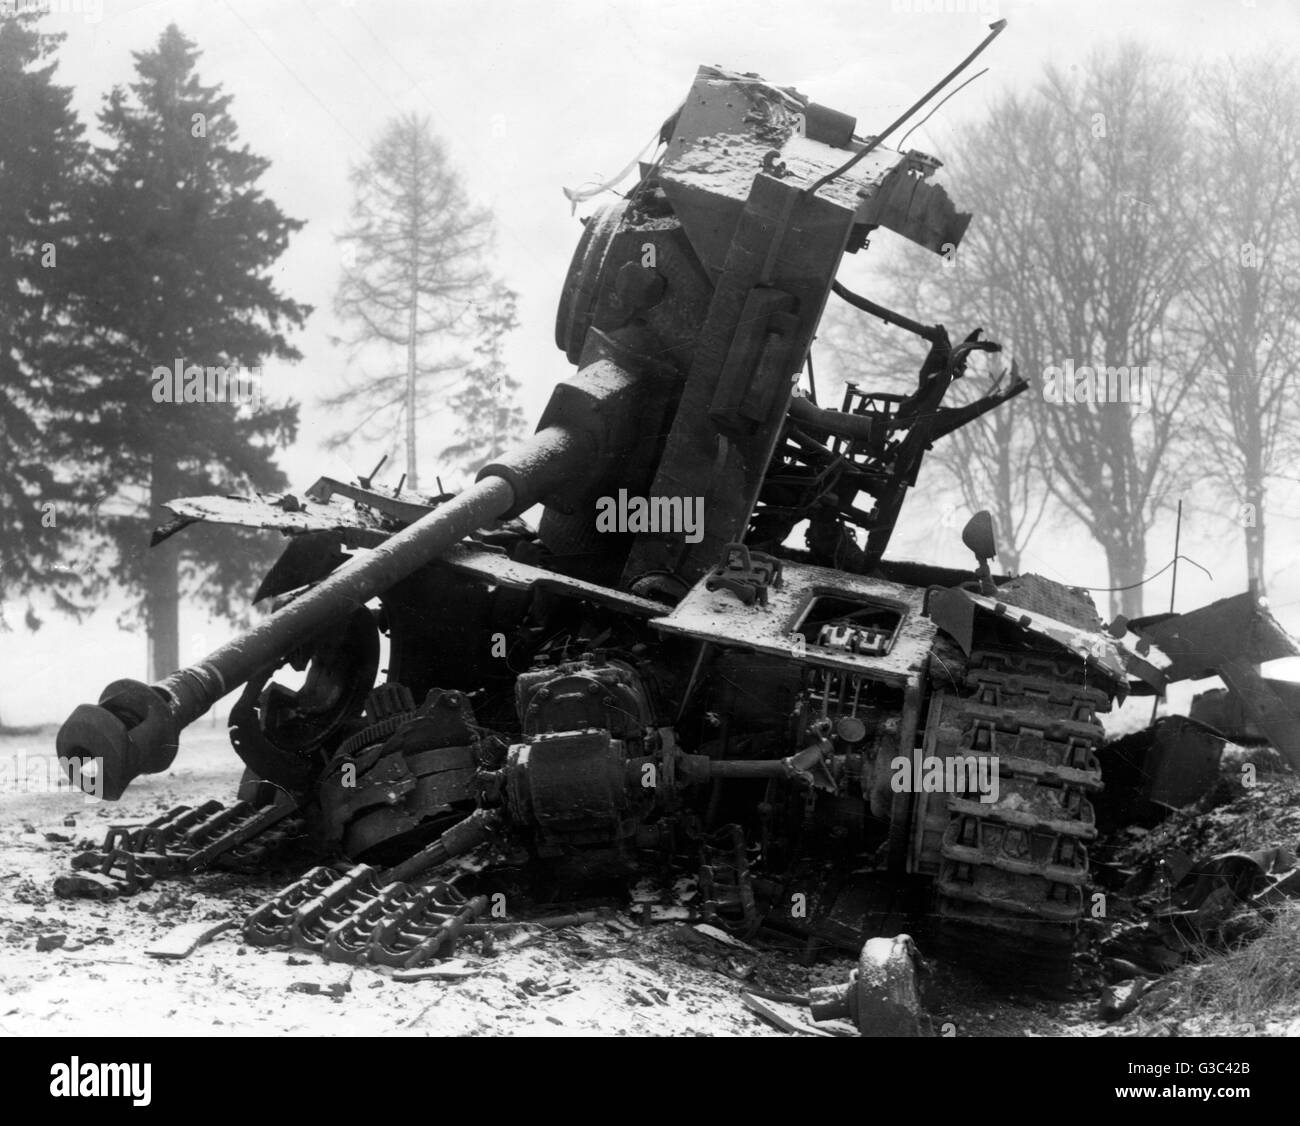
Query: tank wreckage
893	745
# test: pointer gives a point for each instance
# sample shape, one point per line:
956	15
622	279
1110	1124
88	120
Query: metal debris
883	995
182	941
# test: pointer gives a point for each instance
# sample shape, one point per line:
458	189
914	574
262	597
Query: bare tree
1245	291
1081	232
415	266
1075	260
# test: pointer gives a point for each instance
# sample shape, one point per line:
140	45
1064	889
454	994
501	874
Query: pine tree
489	418
42	486
176	271
415	273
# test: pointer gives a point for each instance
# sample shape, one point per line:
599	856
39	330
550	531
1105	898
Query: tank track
356	916
239	837
1013	873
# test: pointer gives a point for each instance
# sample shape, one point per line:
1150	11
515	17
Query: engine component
405	776
576	782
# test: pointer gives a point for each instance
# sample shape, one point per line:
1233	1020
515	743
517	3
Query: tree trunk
412	473
162	589
1254	529
1125	563
1250	434
413	326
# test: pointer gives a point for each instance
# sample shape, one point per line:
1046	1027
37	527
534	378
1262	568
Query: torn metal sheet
286	513
1100	650
1201	641
357	528
1096	648
183	940
917	209
1233	637
405	508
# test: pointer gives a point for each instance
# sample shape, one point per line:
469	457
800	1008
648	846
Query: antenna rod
1173	585
996	29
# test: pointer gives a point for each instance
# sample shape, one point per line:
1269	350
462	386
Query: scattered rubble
1195	889
612	975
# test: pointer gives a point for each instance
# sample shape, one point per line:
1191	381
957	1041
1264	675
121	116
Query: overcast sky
532	97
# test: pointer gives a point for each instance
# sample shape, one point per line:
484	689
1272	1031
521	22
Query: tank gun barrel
135	727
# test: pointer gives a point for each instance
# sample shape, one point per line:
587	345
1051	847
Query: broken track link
182	840
355	916
1012	874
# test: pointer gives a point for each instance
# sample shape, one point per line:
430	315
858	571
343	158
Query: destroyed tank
835	744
